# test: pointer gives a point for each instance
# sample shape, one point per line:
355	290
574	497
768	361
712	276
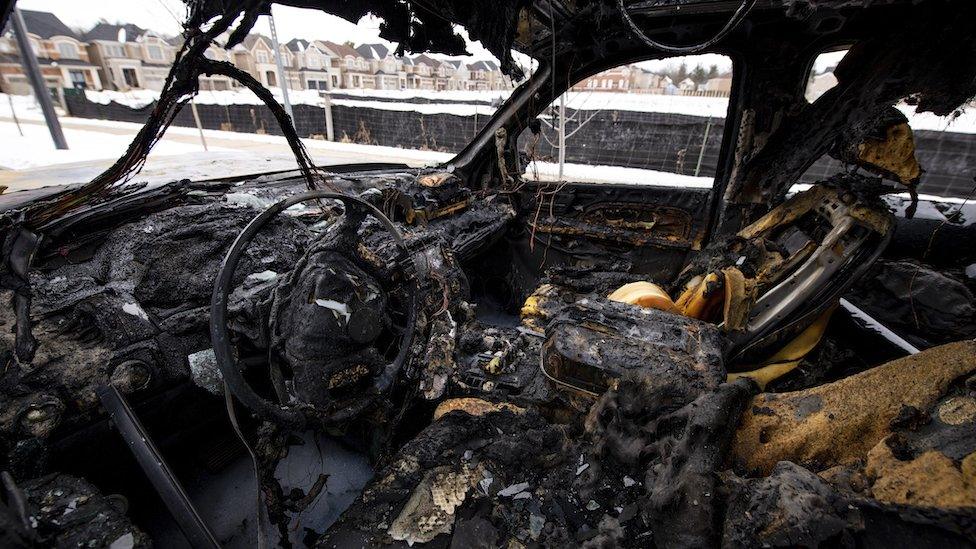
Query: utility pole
281	68
701	152
33	71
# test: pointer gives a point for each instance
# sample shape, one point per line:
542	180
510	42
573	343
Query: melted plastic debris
338	309
135	310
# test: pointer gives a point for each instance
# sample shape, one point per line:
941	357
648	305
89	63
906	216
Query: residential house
439	70
214	82
129	56
425	70
356	73
645	81
687	86
617	79
458	74
485	75
413	73
60	52
258	57
312	66
720	86
388	69
334	67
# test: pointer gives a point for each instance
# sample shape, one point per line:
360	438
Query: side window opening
655	122
944	145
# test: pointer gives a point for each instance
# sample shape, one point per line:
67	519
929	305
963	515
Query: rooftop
111	33
46	25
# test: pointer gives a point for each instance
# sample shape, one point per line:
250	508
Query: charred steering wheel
356	211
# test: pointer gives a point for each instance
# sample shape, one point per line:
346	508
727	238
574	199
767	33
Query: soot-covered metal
521	363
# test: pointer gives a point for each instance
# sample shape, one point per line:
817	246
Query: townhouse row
125	57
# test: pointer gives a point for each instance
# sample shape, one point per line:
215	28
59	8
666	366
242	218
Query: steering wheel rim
223	286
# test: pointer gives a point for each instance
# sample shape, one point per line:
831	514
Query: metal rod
33	70
562	134
13	113
196	118
153	464
872	323
701	152
281	69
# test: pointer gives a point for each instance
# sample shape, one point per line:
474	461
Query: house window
155	52
335	81
114	50
313	61
272	78
78	80
129	75
262	56
67	50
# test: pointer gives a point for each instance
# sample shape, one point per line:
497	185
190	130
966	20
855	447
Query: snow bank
138	99
458	109
549	171
134	99
445	95
715	107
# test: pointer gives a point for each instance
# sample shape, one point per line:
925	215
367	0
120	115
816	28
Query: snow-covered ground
35	147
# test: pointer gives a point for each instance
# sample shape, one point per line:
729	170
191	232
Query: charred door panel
649	229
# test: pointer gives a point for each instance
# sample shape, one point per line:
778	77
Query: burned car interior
522	362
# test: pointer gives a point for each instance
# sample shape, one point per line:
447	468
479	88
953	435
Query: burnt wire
263	525
737	17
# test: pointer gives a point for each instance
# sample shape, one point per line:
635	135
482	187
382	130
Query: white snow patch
458	109
549	171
